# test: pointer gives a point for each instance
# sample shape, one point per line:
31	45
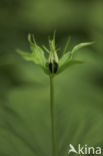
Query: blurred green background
25	126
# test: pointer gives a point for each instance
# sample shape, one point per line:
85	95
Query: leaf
69	64
65	58
37	56
64	61
25	55
81	45
37	52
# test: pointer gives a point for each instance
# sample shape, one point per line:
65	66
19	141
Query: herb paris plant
52	66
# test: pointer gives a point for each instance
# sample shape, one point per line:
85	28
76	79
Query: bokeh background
25	126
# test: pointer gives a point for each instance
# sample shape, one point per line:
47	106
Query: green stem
52	116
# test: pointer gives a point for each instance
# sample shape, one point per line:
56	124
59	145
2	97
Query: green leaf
27	56
37	52
81	45
63	62
38	59
37	56
69	64
65	59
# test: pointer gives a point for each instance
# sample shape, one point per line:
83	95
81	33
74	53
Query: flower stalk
52	111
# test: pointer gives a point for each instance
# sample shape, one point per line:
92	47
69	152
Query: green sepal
81	45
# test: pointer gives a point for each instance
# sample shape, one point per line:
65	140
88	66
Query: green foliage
24	88
81	45
38	57
67	64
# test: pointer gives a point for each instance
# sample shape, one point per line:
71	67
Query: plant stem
52	110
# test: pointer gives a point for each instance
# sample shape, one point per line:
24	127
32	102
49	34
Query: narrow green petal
46	49
67	44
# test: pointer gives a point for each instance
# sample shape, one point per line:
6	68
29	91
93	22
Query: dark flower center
53	67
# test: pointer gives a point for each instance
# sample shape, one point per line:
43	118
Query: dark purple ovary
53	67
